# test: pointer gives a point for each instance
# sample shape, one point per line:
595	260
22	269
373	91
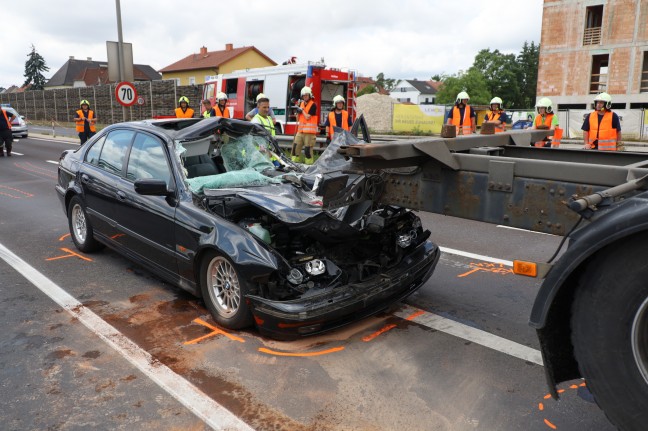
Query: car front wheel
223	292
80	227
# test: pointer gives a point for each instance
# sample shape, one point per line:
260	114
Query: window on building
192	80
598	80
593	23
643	85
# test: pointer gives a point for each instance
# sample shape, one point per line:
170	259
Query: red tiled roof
210	59
99	75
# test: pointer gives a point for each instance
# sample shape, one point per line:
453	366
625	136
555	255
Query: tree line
511	77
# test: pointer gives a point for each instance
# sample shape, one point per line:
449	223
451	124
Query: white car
18	124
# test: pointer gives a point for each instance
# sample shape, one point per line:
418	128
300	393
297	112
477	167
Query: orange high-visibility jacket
308	127
79	123
6	118
494	116
466	127
344	125
224	113
186	114
606	135
546	120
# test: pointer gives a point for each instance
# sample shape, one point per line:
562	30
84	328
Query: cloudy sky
402	38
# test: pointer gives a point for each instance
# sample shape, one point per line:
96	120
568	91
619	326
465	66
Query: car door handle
121	195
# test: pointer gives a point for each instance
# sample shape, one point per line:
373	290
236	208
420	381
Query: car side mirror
151	187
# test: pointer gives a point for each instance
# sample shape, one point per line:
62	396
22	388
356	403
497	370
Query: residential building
86	73
590	46
414	91
197	68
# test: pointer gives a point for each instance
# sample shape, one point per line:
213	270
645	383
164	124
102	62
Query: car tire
224	292
610	332
80	228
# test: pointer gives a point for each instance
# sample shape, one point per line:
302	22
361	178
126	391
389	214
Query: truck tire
610	331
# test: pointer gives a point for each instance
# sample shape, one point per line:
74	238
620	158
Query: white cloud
403	39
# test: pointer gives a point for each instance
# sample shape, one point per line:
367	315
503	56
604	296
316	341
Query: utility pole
120	50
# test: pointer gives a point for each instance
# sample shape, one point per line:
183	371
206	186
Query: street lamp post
120	51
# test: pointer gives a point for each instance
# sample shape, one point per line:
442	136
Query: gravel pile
377	110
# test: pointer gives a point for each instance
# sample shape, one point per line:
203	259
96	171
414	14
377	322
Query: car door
98	175
147	222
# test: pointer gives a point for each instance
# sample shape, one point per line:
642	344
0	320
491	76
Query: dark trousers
6	139
84	136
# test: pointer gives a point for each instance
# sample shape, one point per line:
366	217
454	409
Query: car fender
551	313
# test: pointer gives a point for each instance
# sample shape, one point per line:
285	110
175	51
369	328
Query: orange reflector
520	267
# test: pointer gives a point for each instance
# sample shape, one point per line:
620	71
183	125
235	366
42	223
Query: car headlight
315	267
405	240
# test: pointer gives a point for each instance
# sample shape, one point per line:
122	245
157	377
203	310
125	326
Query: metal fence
158	98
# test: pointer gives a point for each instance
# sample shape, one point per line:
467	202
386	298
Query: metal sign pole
120	50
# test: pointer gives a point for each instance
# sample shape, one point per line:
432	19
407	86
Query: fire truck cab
282	84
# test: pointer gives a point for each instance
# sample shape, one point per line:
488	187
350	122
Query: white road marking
476	256
52	162
483	338
13	153
208	410
525	230
55	140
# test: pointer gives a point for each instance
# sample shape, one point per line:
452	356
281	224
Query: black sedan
215	207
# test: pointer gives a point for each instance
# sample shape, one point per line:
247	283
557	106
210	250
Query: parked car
18	125
214	207
522	124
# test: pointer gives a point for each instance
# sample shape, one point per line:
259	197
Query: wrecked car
215	207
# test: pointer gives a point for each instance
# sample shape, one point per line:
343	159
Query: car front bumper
19	131
287	320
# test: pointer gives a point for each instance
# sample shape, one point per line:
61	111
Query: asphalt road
458	355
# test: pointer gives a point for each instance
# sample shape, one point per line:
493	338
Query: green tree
472	81
34	66
437	77
502	75
528	61
386	83
367	90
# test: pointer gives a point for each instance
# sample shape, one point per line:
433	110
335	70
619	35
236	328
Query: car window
92	156
148	159
114	151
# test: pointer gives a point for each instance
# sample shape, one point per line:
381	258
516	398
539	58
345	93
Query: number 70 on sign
126	94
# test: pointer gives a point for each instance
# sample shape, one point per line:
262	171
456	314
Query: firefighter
263	115
306	128
546	119
183	110
221	106
602	127
6	138
85	120
208	111
497	116
250	115
338	117
462	116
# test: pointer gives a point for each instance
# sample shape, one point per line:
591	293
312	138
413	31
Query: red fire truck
282	84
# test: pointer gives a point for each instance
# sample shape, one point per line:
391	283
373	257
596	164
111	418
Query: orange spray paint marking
117	235
323	352
70	254
64	236
35	169
378	332
215	331
487	267
550	425
415	315
546	397
560	391
23	193
540	406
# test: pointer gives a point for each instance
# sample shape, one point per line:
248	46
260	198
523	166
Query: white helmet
260	96
497	100
306	90
221	96
545	102
461	96
603	97
337	99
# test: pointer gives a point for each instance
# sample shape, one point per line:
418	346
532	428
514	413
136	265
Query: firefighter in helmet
183	110
497	116
602	127
306	128
338	117
546	119
85	120
221	105
462	115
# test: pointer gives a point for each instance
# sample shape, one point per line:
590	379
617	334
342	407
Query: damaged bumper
296	318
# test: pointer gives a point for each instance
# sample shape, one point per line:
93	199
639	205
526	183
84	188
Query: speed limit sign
126	94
